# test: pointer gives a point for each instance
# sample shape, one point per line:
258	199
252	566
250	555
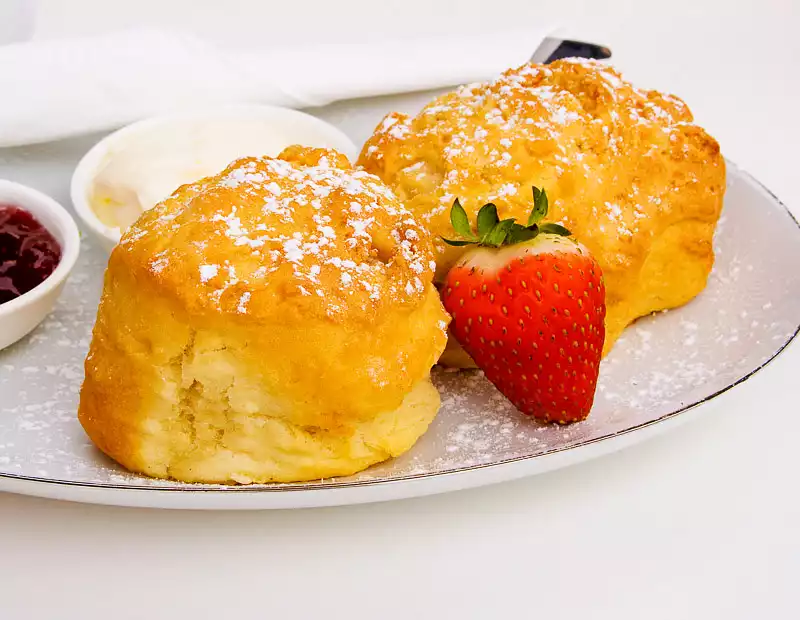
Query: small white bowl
19	316
293	126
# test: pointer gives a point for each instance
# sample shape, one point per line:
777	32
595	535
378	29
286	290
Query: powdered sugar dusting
574	123
207	272
652	371
282	213
241	308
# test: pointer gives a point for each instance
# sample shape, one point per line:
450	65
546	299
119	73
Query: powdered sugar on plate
661	364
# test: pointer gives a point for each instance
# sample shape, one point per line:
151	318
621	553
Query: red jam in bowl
28	252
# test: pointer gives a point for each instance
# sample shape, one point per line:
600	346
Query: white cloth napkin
69	87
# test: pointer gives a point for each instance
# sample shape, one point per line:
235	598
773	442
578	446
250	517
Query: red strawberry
528	305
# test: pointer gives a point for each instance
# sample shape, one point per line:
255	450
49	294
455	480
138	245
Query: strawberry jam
28	252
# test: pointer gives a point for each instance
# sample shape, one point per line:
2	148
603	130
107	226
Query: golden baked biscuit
276	322
625	169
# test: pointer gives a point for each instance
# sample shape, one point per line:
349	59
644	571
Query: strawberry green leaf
539	206
456	242
499	233
493	232
554	229
460	221
519	233
487	219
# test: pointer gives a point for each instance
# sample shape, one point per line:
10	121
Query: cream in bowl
39	244
136	167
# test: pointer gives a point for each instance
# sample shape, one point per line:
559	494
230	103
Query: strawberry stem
494	232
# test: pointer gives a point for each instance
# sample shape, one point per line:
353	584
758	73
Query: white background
701	523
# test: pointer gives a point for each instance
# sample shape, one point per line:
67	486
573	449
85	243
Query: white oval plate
664	370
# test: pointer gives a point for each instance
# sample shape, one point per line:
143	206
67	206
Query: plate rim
314	488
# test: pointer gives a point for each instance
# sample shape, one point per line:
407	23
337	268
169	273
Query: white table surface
703	522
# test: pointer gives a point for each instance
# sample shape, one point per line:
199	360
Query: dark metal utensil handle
579	49
553	48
